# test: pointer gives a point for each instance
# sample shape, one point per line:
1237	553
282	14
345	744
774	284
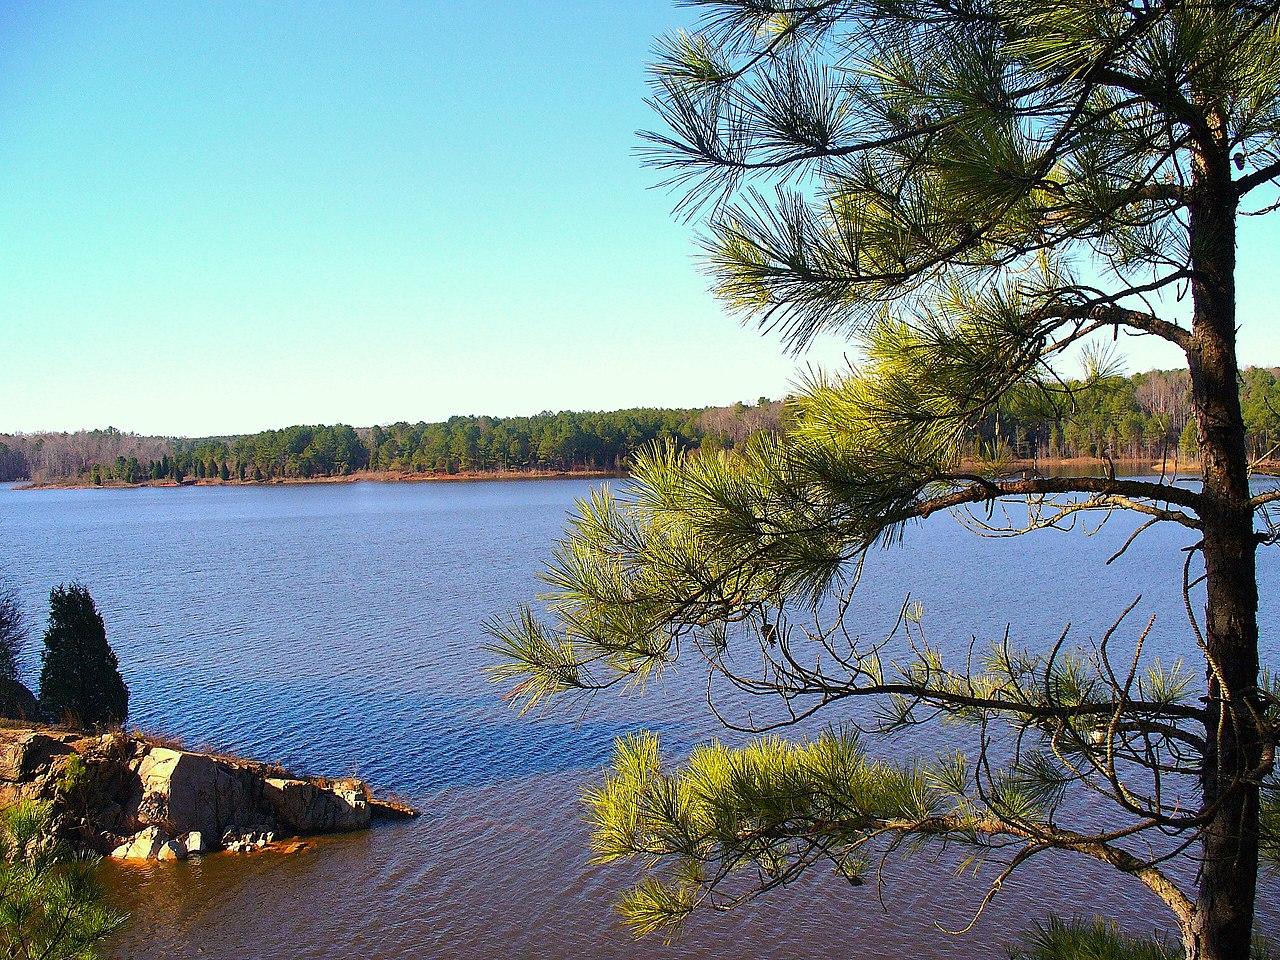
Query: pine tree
968	191
80	679
1188	441
51	907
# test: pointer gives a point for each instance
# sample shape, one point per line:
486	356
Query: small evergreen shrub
80	680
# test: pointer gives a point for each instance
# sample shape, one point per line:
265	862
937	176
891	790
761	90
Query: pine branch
982	491
1257	178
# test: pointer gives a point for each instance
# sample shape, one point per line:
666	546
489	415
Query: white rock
171	850
193	843
143	845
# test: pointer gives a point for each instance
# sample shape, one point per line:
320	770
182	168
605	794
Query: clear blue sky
220	217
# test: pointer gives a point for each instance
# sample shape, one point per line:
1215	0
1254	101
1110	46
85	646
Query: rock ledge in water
135	799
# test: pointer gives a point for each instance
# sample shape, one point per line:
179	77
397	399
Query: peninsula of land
136	797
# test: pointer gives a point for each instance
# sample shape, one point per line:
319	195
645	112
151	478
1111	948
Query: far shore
1169	467
368	476
1129	466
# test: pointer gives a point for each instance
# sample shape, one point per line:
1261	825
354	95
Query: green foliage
1189	441
547	441
127	470
772	808
1269	813
561	441
50	905
1058	939
913	142
297	452
74	775
1260	401
80	678
1108	415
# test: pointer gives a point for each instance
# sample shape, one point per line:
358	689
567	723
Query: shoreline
360	476
1126	464
1169	468
1131	467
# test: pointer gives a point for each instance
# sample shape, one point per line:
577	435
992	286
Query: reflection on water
335	629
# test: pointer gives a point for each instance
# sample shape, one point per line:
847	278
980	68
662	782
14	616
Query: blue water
336	629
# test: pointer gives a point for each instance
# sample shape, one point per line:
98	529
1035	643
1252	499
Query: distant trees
53	456
730	426
13	465
1260	404
559	441
80	678
1188	441
547	441
1145	416
1104	415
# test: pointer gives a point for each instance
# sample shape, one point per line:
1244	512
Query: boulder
194	792
390	808
25	754
247	841
171	850
143	845
303	807
193	843
110	817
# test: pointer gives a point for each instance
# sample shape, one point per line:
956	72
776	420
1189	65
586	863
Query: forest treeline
1146	415
564	441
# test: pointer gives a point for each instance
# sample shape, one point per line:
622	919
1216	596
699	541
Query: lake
336	629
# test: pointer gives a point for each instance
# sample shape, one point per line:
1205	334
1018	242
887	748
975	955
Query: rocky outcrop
194	791
305	807
27	754
136	799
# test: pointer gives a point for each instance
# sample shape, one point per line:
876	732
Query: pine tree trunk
1223	922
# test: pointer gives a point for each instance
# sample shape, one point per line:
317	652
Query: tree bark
1222	924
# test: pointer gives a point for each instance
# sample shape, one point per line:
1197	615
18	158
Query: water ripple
335	630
